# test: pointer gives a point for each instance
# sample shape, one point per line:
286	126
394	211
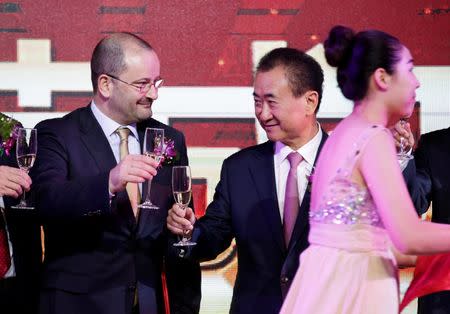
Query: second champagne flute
182	190
26	148
153	147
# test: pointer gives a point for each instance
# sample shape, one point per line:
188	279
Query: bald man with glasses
104	254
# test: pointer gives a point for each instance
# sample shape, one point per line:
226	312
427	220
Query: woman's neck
371	111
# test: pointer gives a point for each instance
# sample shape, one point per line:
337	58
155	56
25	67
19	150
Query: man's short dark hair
302	71
108	55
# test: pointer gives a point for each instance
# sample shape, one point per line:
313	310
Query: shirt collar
308	151
108	125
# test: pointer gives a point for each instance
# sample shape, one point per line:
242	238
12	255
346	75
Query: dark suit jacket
428	179
245	206
96	250
20	294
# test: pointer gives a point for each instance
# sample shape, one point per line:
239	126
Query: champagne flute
26	148
153	147
182	190
402	154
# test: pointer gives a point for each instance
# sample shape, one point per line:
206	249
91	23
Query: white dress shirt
109	127
304	169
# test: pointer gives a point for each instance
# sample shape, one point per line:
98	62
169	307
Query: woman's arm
379	167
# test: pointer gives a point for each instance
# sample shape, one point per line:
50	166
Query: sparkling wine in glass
182	190
26	148
153	147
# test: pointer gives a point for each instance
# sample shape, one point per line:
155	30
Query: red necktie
291	200
5	260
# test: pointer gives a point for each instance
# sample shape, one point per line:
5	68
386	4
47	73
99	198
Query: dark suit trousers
439	303
58	302
8	299
12	299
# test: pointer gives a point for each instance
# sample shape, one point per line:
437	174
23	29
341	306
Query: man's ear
104	86
312	101
381	79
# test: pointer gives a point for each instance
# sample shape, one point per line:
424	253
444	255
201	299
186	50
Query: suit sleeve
213	232
418	178
183	275
57	194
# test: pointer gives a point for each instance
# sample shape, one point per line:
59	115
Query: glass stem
402	146
22	201
186	234
149	187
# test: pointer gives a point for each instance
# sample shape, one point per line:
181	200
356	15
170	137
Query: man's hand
133	168
13	181
401	130
180	220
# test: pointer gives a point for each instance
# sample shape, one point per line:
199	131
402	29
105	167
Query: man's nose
152	92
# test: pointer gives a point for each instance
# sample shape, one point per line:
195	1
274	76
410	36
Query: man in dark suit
428	179
251	200
103	254
20	240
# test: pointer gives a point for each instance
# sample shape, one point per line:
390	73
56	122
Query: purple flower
169	148
7	143
169	153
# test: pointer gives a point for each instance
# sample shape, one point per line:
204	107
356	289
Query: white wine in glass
26	148
182	191
153	147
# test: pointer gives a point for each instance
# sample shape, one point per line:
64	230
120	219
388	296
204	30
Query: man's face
127	103
281	115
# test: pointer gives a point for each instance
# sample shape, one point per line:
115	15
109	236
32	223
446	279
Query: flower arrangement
9	130
169	153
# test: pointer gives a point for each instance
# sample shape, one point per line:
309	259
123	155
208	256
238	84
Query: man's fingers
177	218
190	215
16	176
178	210
6	191
141	174
181	222
174	227
174	230
140	168
134	179
145	159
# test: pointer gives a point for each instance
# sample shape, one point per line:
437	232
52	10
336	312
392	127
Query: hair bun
338	45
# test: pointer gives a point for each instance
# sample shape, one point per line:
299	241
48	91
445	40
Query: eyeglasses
143	87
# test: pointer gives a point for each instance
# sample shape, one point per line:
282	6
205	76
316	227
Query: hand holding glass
26	148
153	147
402	154
182	190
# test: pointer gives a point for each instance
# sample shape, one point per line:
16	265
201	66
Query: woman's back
348	263
337	169
339	152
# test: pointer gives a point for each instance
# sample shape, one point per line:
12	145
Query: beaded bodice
346	202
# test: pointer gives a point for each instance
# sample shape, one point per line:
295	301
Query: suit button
284	279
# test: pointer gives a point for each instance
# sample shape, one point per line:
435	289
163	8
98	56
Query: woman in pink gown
360	206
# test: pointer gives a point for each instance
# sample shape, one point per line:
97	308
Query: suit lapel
98	146
263	174
303	214
95	141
